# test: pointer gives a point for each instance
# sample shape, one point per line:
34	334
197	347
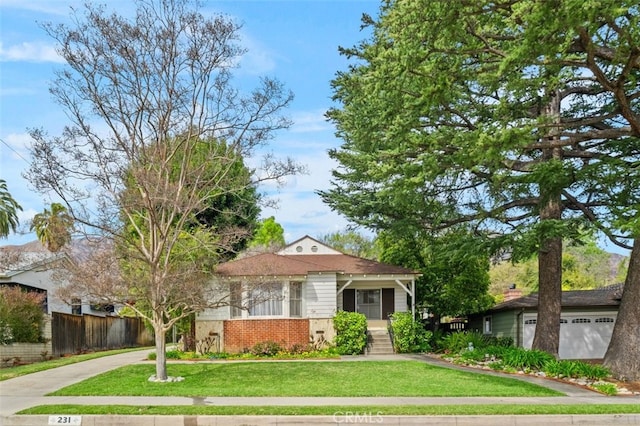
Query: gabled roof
601	297
279	264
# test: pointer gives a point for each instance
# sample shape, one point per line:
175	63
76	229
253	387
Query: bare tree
141	93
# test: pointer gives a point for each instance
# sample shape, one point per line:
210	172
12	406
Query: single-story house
291	296
32	267
586	324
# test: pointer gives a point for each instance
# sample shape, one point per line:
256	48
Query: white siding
307	246
319	296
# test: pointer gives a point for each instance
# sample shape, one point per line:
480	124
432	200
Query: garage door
582	335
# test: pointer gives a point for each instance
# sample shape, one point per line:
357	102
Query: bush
575	369
268	348
409	336
351	332
525	359
21	316
459	341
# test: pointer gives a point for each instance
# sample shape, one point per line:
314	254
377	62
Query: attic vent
314	248
299	249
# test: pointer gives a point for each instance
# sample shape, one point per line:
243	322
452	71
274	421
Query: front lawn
313	378
384	410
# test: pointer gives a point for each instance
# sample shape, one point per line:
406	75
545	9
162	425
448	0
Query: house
291	296
586	324
32	267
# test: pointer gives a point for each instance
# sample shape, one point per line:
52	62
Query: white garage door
582	335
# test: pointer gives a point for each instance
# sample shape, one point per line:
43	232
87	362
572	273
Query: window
235	299
530	321
580	321
604	320
76	306
487	325
266	300
563	321
295	299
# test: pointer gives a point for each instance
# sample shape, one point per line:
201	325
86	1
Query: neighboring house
586	323
31	267
291	296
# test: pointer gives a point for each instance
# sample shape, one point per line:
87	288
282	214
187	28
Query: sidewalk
30	390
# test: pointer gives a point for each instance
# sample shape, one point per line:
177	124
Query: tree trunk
623	353
161	355
547	335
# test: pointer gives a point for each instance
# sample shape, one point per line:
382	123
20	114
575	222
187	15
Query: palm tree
53	227
8	211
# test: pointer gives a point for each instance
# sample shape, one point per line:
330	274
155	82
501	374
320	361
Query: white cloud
309	121
258	60
30	52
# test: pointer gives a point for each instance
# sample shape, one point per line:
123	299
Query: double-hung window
235	299
295	299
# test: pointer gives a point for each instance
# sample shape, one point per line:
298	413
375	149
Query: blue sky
295	41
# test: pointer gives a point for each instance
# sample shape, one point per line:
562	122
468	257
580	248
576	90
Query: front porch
377	300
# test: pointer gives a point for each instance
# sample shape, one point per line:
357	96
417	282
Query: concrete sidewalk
30	390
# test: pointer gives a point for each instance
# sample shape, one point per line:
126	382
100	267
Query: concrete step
379	342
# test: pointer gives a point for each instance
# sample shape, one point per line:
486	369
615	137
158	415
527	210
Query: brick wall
244	333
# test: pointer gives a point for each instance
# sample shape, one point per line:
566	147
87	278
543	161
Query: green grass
415	410
313	378
21	370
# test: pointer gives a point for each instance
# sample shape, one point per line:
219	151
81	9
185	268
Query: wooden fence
79	333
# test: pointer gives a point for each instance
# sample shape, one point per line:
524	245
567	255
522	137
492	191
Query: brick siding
240	334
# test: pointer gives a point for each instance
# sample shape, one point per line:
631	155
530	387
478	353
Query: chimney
512	293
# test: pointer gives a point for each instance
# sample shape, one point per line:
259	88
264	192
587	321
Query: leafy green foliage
462	341
584	266
21	315
269	348
606	388
409	336
269	234
353	243
454	267
526	359
53	227
351	332
575	369
8	211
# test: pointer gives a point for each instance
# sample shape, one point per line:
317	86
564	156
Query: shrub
351	332
409	335
459	341
21	316
505	342
269	348
575	369
525	359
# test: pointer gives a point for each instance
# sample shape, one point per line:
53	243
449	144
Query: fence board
79	333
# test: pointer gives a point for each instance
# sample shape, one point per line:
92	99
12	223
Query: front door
369	303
